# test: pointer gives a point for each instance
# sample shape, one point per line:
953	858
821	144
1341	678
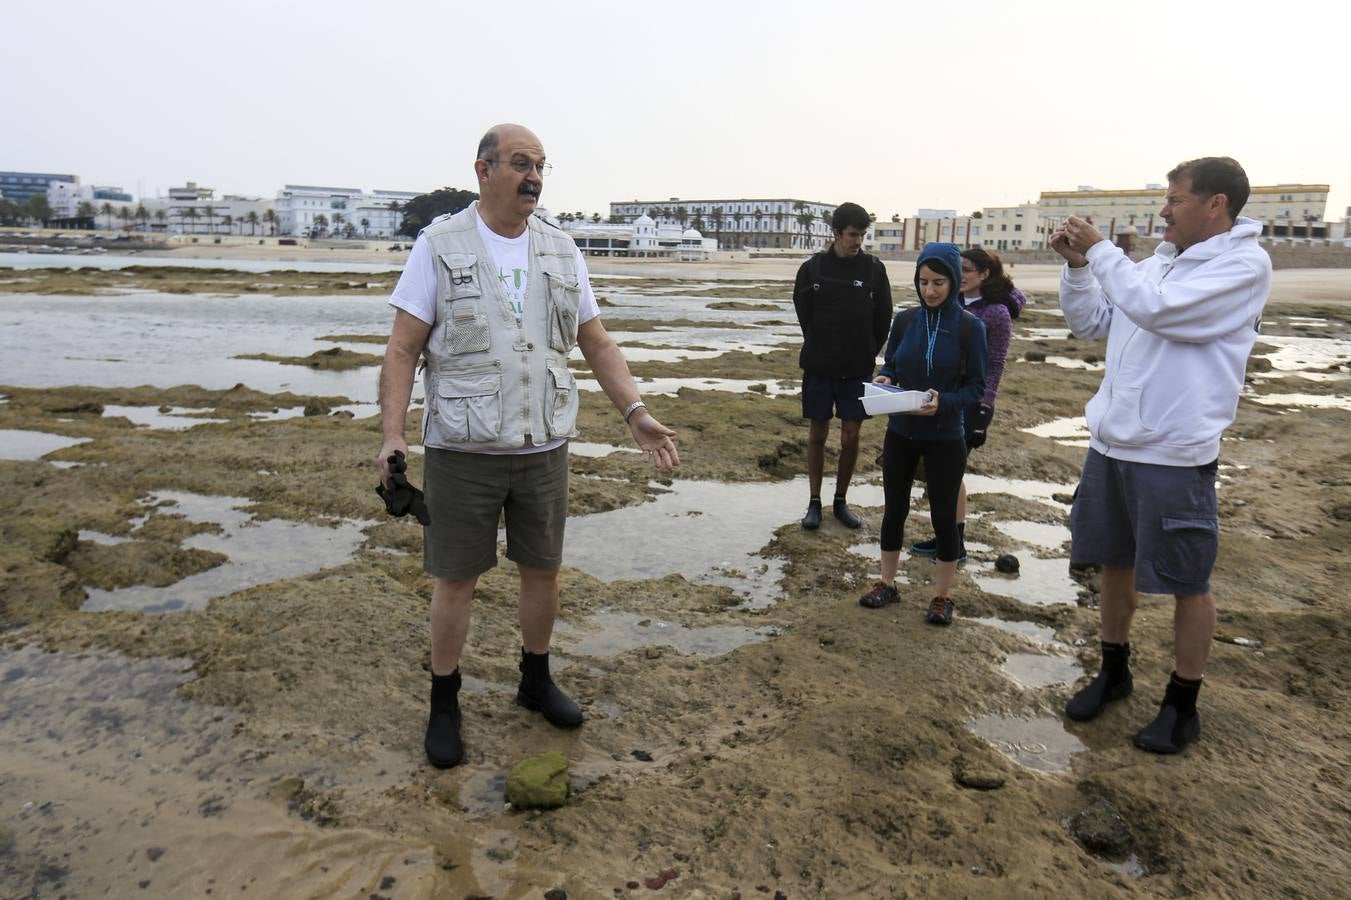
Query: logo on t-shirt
513	283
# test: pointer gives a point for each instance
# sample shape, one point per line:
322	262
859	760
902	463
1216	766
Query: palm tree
716	216
86	210
228	221
595	218
365	227
682	215
210	212
191	215
804	221
320	225
107	210
125	215
142	214
160	217
252	219
270	218
338	219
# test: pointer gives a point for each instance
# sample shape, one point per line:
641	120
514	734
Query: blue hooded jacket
909	364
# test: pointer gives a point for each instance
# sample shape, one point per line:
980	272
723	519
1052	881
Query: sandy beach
213	652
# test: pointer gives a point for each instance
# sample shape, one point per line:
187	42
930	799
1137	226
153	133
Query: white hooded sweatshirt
1179	329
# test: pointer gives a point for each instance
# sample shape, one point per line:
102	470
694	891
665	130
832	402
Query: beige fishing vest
491	381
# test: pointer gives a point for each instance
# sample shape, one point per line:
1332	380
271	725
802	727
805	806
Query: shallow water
20	444
584	448
1040	744
1038	534
1039	582
711	532
259	552
28	261
1037	634
1035	670
669	387
178	418
619	632
1310	401
1071	431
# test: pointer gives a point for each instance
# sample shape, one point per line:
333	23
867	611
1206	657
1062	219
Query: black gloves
400	497
980	423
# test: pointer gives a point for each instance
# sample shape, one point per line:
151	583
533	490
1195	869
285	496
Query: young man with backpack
843	303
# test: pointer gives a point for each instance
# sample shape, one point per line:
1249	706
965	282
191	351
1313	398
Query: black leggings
944	466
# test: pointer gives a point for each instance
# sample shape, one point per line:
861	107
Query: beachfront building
68	198
316	211
642	237
195	209
1021	227
741	223
913	232
1285	210
18	187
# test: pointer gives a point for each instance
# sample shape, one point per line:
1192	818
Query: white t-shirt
967	301
415	293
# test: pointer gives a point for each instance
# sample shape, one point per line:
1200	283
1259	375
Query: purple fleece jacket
998	333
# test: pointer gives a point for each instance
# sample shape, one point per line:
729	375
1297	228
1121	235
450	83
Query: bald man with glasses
494	299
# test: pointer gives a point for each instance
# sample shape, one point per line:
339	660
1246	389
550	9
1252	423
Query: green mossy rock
539	781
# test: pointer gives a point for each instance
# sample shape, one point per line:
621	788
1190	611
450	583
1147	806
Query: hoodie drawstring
931	334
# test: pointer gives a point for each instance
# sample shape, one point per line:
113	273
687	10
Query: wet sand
749	725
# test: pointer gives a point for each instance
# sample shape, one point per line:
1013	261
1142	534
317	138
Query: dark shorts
1160	520
825	397
468	493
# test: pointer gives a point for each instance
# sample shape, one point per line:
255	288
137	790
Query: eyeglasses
966	271
524	166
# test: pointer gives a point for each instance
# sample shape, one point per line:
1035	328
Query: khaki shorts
468	493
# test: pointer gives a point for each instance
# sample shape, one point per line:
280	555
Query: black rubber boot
443	744
1112	683
538	692
1178	723
812	520
845	515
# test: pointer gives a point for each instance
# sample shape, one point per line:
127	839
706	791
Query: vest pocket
565	298
467	329
561	409
468	409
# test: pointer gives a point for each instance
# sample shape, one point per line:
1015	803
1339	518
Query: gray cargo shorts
1161	520
467	495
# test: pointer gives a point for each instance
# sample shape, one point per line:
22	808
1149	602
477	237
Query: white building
1285	210
783	223
194	209
66	197
1022	227
913	232
321	211
643	237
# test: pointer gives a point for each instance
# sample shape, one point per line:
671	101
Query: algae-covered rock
539	781
287	790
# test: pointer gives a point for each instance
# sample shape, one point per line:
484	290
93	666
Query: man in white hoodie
1179	328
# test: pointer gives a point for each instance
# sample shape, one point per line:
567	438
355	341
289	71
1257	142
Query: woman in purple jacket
989	294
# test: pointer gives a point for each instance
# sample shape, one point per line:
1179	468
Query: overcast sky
893	105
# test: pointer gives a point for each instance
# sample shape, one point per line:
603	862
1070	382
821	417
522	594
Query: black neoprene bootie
812	520
443	744
844	514
1113	682
538	692
1178	723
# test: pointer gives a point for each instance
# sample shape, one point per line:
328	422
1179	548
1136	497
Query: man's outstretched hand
400	497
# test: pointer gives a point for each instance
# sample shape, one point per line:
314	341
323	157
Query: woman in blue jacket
938	348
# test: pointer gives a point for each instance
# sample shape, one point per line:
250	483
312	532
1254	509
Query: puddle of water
176	419
258	552
1040	744
98	537
276	415
1295	354
583	448
1069	362
620	632
669	387
1314	401
1038	534
1031	631
19	444
1071	431
708	531
1043	491
105	761
1039	582
1045	334
1034	670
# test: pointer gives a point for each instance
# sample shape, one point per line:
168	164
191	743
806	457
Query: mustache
528	188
